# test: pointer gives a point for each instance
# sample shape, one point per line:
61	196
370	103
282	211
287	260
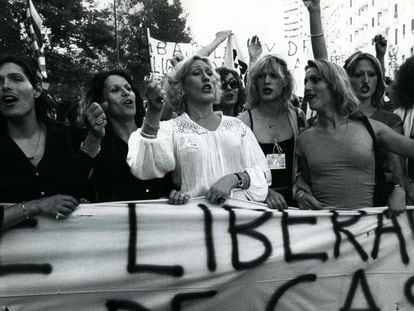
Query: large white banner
295	52
239	256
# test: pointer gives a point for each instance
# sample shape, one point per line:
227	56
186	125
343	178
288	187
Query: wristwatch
240	183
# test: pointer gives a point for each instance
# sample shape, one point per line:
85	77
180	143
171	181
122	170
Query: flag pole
116	36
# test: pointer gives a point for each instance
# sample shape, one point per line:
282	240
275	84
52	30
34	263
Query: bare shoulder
245	118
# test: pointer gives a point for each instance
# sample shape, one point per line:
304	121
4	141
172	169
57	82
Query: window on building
350	20
412	25
396	37
396	11
373	22
373	2
350	3
350	38
379	18
403	30
412	51
403	57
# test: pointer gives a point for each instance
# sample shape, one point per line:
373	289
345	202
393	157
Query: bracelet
397	186
91	153
145	122
150	136
316	35
24	211
299	196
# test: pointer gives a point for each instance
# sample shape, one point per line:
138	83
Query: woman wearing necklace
338	155
275	123
37	166
208	153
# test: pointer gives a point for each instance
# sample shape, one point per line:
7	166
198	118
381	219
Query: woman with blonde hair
208	153
339	154
275	123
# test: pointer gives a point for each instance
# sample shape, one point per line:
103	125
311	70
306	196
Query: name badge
276	161
189	142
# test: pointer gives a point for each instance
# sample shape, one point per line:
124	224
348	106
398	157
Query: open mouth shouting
9	99
128	102
365	89
267	90
207	88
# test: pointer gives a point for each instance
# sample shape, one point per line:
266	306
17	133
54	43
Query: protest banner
239	256
296	53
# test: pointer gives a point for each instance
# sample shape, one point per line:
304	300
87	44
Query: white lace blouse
199	157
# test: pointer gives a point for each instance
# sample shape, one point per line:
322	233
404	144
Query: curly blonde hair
174	83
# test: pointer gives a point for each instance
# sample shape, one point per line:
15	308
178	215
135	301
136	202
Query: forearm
317	36
16	214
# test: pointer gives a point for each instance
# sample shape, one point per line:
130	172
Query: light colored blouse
199	157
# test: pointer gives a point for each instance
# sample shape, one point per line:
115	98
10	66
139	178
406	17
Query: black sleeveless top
281	178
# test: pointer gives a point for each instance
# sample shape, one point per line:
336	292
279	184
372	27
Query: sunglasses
233	85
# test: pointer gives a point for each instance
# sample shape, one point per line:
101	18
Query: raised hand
312	5
155	95
223	35
96	120
380	45
254	47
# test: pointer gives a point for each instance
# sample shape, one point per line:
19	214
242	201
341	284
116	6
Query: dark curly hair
402	90
94	91
29	67
241	98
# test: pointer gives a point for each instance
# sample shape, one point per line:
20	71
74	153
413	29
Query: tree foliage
81	37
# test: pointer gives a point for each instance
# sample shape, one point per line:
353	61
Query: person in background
208	153
111	177
38	169
233	95
275	123
402	94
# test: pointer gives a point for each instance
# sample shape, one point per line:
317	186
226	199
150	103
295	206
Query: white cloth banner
239	256
161	53
294	52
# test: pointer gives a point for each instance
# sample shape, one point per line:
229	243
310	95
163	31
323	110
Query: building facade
351	25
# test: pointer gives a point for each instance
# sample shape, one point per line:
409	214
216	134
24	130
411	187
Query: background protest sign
295	52
239	256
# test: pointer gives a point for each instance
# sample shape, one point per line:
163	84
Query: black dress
62	170
112	178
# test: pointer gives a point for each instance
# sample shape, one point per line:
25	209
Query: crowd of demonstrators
38	167
208	153
275	123
111	177
200	132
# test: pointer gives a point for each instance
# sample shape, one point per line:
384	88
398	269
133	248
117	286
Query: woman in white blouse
209	154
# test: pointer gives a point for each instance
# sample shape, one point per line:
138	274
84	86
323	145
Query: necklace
270	123
31	158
